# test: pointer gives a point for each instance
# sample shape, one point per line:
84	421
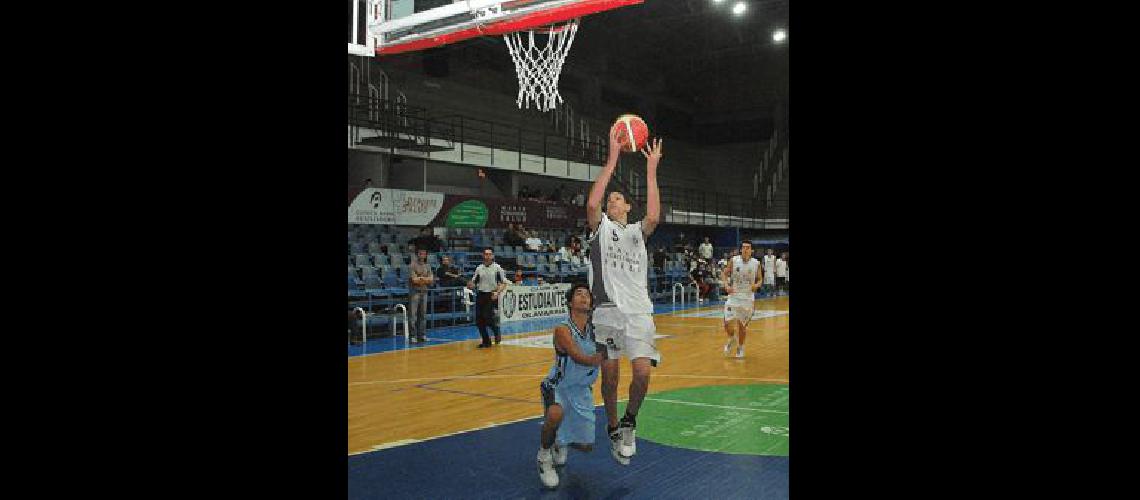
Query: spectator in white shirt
706	250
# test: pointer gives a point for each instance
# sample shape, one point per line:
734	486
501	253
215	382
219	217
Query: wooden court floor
408	395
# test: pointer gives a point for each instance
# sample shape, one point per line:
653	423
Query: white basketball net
538	68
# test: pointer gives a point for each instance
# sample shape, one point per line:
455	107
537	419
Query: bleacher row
376	260
364	238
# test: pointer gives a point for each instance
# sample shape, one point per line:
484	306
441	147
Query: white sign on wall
521	302
395	207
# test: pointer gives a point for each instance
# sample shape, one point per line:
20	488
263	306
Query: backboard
381	27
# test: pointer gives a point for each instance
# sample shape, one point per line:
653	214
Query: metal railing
399	123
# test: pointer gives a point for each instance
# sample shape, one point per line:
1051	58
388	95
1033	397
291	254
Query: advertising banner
521	302
395	207
473	212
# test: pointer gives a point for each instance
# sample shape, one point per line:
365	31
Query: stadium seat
372	282
390	280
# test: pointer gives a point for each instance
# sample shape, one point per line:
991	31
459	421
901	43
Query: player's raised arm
653	203
598	191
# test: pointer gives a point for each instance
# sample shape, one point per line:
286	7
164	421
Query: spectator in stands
580	198
427	241
540	281
787	273
421	279
533	243
699	276
512	237
518	276
715	281
447	274
563	252
781	273
567	250
689	258
659	258
706	250
577	255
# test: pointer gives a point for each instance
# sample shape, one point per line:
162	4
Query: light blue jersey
570	385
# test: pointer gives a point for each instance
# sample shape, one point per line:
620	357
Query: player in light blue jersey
567	391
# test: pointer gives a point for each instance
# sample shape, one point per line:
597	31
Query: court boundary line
694	403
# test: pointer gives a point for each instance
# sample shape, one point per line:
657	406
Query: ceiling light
779	35
738	9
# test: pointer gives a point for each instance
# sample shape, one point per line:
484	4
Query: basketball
634	132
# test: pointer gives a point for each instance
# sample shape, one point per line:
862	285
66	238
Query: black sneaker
480	346
498	339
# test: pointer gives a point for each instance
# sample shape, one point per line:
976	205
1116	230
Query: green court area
739	419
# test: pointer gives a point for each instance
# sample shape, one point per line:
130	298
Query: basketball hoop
538	68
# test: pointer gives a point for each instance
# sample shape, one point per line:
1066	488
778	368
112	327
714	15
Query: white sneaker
546	471
560	454
615	447
628	441
730	346
740	352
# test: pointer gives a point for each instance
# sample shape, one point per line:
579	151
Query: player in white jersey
623	318
769	265
741	278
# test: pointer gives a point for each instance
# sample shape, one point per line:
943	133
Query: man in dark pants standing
489	280
418	285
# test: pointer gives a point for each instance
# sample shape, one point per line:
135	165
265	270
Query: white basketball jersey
742	278
619	264
781	268
769	262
